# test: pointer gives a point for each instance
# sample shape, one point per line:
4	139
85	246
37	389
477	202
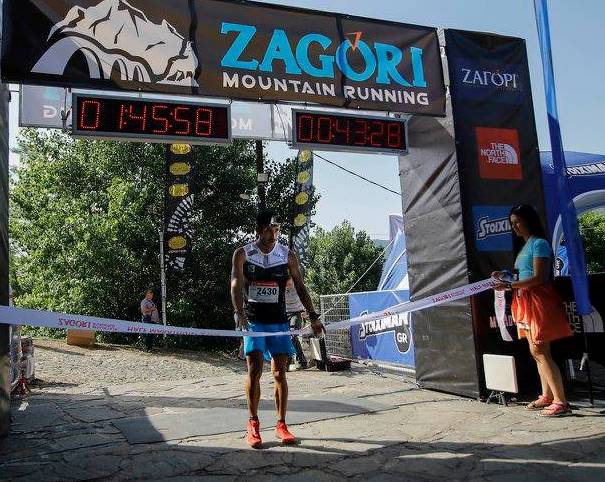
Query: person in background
296	316
537	308
149	314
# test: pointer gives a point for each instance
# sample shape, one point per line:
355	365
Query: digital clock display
126	118
328	131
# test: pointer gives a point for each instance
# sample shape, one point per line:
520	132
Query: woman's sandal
539	404
556	409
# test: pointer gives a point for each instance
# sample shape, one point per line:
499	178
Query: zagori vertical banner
498	158
222	48
178	214
301	212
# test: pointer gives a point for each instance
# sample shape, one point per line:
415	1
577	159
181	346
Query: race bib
263	292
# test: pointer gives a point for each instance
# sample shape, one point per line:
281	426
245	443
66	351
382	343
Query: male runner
259	275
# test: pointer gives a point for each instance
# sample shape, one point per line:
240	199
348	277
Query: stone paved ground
69	431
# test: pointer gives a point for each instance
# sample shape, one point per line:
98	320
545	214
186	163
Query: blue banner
388	339
575	250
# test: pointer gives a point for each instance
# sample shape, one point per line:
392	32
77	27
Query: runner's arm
237	281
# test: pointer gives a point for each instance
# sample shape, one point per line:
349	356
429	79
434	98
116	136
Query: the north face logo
118	39
498	153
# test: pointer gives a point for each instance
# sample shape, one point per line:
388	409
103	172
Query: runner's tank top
265	278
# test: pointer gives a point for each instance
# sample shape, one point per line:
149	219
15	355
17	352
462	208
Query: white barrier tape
49	319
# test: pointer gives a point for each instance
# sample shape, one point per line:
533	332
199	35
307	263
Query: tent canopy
586	184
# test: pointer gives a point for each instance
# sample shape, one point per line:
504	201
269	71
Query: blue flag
575	250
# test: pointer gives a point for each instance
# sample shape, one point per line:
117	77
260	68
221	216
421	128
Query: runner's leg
255	370
279	364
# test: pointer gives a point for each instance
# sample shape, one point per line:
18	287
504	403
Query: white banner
22	316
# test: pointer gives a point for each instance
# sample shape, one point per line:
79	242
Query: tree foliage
85	221
338	258
592	230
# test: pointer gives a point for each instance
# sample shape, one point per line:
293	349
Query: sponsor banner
220	48
43	107
498	164
498	153
178	205
49	319
387	339
492	228
301	212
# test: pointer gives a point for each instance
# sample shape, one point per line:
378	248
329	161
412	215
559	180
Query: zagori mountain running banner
222	48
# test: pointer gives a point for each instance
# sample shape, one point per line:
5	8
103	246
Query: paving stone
303	476
95	414
357	466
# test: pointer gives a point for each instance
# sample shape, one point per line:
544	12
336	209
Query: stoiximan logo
398	324
492	228
118	39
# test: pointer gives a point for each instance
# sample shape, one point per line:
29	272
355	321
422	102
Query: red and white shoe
282	433
253	434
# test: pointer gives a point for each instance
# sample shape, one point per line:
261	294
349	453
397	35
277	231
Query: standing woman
537	308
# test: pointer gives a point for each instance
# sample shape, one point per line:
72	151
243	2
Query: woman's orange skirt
540	314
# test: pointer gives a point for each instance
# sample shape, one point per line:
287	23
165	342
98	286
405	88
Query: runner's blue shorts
269	345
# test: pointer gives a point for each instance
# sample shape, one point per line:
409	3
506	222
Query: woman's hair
533	222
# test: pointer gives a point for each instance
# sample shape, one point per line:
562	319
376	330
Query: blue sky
579	69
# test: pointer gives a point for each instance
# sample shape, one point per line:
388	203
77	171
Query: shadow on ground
54	437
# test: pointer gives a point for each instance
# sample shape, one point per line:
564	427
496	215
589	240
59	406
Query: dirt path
59	363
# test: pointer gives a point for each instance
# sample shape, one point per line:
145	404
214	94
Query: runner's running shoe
253	434
282	433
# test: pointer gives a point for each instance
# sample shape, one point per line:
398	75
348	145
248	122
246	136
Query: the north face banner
178	215
222	48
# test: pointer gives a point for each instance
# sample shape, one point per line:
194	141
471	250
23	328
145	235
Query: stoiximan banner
222	48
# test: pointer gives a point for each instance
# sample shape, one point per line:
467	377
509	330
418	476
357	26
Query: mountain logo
118	39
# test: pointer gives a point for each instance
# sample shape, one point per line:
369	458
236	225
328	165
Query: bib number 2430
264	293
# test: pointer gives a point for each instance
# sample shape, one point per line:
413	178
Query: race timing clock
343	132
146	120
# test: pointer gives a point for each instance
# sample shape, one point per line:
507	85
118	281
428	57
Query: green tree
592	230
85	217
338	258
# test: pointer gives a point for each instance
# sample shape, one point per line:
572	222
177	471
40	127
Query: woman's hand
497	274
501	286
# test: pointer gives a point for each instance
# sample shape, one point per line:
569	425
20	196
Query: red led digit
203	122
377	136
394	134
122	122
186	130
95	113
156	118
360	132
305	124
342	126
324	129
142	117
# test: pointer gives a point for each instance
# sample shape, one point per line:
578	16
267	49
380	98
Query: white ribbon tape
500	310
48	319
